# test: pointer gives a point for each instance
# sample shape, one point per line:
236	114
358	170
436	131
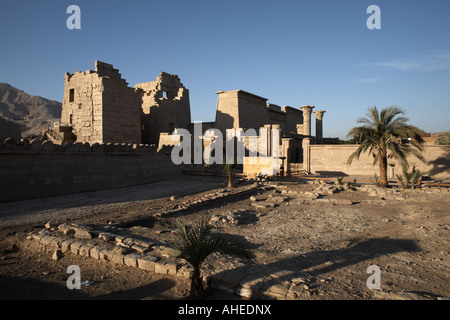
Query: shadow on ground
321	262
24	288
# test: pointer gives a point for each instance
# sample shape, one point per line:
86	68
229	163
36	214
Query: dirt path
40	211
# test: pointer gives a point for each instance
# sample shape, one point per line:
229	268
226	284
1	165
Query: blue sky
293	53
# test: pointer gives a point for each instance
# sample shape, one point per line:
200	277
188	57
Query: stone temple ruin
100	107
113	135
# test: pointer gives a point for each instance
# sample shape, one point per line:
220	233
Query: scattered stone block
144	243
51	224
75	247
278	199
55	243
250	285
37	237
171	268
119	239
160	267
140	248
106	255
147	263
94	252
106	236
278	290
45	240
82	232
128	241
131	260
342	201
263	204
117	258
295	291
66	229
85	249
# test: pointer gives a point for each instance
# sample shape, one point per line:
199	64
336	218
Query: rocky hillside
31	113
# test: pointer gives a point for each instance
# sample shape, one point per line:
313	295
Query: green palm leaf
195	244
381	135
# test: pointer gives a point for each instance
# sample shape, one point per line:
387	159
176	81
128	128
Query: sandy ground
405	234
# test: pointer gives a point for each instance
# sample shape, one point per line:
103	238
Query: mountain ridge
31	113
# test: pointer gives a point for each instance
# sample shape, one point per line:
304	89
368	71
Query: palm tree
195	244
381	135
416	175
411	178
229	169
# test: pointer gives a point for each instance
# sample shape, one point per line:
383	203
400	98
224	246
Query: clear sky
293	53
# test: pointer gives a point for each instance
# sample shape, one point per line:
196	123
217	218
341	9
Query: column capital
307	109
319	114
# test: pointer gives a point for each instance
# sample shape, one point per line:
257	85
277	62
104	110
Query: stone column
319	126
306	154
278	127
268	128
307	120
286	153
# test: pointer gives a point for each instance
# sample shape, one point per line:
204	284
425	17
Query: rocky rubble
234	217
106	243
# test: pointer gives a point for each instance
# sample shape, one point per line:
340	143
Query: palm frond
195	244
381	136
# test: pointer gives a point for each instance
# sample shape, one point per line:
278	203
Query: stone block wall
121	113
100	107
333	158
277	116
227	113
82	106
35	169
293	117
253	111
241	109
165	106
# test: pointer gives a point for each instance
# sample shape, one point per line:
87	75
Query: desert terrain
318	239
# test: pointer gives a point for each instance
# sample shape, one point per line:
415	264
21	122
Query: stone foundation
107	246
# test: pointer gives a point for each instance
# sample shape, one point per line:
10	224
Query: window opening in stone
72	95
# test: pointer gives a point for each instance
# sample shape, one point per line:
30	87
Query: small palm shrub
229	169
195	244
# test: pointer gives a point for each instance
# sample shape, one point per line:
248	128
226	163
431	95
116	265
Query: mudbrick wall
35	169
327	159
